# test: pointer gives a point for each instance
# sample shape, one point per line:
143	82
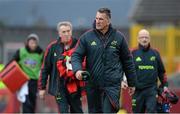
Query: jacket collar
144	48
71	43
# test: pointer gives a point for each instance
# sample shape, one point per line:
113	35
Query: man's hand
42	94
79	74
124	85
131	90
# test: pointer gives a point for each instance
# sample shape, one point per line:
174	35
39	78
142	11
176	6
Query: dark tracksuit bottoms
30	104
145	100
98	101
68	101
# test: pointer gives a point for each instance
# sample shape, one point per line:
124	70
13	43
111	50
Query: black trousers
68	102
145	100
98	101
30	103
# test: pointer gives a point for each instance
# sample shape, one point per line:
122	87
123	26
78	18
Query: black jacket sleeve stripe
45	68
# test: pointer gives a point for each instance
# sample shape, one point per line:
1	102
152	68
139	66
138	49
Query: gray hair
64	23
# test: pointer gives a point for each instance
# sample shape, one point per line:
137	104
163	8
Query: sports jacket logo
138	59
153	58
93	43
113	44
55	54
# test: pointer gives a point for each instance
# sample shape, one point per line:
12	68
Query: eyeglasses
146	37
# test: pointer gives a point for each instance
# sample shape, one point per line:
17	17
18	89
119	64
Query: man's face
144	38
65	32
32	44
102	21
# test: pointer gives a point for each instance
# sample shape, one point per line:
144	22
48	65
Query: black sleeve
161	70
127	63
45	69
42	57
41	51
16	57
78	55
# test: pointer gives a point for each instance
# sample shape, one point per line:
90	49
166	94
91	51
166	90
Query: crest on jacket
93	43
138	59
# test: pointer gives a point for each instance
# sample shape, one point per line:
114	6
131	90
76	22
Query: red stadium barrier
126	101
176	108
8	102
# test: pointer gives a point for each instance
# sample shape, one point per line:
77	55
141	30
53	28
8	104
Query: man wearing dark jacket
107	58
149	67
57	86
30	59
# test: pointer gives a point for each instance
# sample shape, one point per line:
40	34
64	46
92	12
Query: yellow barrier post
133	35
170	48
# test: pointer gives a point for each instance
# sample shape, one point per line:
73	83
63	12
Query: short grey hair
64	23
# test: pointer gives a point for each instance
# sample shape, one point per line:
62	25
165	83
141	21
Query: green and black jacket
107	58
149	67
